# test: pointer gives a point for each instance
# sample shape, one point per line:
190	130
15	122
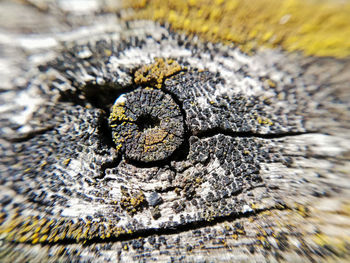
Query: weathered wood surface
261	172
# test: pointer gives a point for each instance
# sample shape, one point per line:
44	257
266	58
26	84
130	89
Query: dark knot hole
147	121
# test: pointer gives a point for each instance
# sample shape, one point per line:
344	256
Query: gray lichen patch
147	125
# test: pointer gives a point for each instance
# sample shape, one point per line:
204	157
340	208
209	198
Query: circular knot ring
147	125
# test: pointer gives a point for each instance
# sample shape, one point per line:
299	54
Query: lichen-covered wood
147	125
127	141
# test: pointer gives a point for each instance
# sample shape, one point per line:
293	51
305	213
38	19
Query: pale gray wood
298	212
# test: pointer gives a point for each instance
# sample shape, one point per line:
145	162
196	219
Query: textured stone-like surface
261	171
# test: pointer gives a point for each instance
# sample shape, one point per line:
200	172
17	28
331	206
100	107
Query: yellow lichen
271	83
43	164
301	209
316	27
154	74
118	114
264	120
66	161
339	244
155	136
132	202
119	146
29	229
